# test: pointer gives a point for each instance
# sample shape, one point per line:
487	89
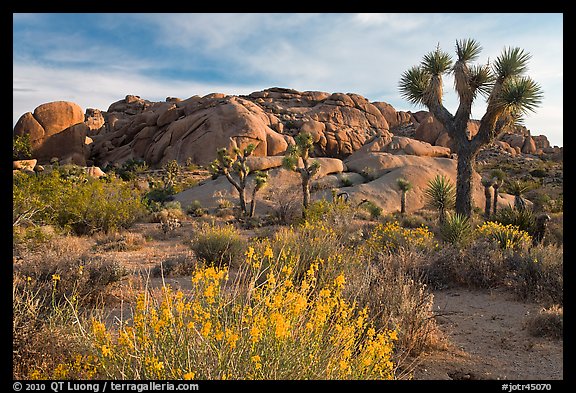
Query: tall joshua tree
304	145
404	186
510	95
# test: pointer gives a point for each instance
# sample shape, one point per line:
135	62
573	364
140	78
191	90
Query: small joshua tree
404	186
487	183
304	145
440	195
498	179
234	165
171	170
261	179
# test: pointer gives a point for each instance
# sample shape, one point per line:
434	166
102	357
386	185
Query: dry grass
549	322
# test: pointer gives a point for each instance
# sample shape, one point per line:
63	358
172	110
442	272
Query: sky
95	60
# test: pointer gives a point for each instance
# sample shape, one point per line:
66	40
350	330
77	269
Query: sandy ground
488	340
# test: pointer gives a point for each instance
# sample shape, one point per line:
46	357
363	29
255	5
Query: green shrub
374	210
21	147
218	245
195	209
82	204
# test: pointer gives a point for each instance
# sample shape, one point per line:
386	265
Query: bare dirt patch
488	339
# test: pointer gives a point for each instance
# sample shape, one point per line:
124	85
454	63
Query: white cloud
34	85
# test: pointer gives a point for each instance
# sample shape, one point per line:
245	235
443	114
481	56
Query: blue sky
97	59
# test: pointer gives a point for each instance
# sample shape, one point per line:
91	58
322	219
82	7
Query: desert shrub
391	237
479	265
506	236
195	209
549	322
218	245
179	265
539	172
537	274
278	330
131	168
312	242
391	288
72	201
41	336
64	271
118	241
21	147
374	210
522	218
456	229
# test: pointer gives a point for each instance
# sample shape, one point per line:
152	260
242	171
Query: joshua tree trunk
240	190
403	203
466	157
495	207
442	216
488	203
305	190
253	203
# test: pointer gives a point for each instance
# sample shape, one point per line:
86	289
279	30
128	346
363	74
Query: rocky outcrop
56	129
196	127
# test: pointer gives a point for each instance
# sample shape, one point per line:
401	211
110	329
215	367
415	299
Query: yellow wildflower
56	277
189	376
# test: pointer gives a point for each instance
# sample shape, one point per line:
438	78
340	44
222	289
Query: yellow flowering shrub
392	237
507	236
272	328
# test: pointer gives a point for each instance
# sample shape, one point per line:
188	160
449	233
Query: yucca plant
440	195
456	229
522	218
517	188
510	95
404	186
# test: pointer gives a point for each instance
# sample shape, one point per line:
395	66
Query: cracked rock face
196	127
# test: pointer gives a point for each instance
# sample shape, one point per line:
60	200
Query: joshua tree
517	188
170	172
497	180
440	195
304	145
404	186
261	179
487	183
510	95
227	165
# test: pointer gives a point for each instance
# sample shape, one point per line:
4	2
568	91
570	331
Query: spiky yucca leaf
440	193
456	229
511	62
436	62
481	79
403	184
520	95
413	85
467	49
